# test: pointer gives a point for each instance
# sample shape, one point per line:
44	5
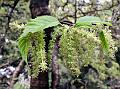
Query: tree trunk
39	8
41	82
55	65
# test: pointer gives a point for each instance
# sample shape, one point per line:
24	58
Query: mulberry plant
86	43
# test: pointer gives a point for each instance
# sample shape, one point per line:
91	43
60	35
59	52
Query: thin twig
9	17
75	11
10	63
16	73
2	39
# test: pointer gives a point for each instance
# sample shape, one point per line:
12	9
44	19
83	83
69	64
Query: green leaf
89	20
39	23
34	25
104	41
23	44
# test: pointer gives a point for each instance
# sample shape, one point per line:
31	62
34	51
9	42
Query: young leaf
39	23
34	25
104	42
89	20
23	44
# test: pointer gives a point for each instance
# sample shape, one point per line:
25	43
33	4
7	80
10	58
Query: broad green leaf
104	41
39	23
89	20
23	44
34	25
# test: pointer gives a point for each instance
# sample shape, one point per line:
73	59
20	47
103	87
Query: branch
75	11
15	62
55	66
7	24
6	5
9	17
66	22
16	73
